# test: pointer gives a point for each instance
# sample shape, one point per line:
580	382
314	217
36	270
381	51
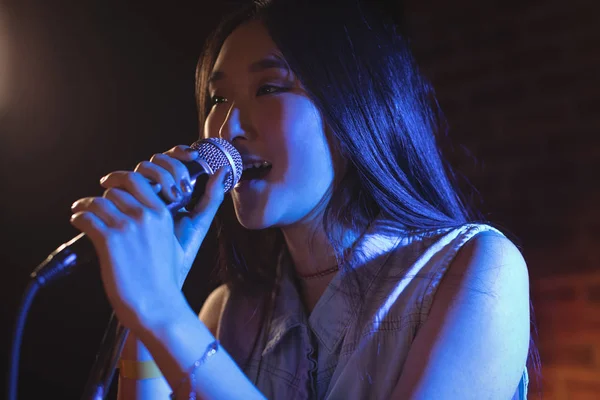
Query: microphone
214	153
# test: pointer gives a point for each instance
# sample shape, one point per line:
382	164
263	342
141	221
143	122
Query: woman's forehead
248	43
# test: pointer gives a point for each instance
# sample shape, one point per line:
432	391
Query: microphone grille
217	153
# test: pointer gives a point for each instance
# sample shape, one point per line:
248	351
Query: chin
252	221
254	225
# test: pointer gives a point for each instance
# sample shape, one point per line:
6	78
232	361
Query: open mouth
257	170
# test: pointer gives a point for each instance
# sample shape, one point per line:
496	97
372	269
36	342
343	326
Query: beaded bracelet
191	376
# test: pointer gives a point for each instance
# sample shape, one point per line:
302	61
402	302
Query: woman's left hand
139	254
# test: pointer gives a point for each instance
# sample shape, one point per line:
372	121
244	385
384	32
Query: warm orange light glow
4	60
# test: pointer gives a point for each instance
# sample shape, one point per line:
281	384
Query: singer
351	269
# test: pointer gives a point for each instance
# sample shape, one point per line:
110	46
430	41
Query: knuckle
125	225
142	165
168	162
166	178
110	193
157	156
174	150
96	202
179	152
178	169
80	203
139	213
113	177
132	178
110	175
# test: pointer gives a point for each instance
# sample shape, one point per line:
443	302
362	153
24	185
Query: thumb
204	212
213	196
191	227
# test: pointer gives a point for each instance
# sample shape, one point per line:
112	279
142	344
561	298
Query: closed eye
263	90
270	89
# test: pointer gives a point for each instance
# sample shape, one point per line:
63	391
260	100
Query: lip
243	186
248	157
246	184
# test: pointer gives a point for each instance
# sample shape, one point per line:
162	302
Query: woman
351	269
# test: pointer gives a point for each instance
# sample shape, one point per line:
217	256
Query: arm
147	389
176	340
475	341
134	349
145	253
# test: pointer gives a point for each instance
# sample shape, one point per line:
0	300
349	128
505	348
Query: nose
232	124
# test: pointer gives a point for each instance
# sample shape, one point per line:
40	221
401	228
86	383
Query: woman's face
261	108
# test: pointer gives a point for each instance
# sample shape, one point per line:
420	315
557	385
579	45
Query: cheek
303	153
212	125
304	136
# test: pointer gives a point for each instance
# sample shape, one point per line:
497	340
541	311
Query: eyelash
214	100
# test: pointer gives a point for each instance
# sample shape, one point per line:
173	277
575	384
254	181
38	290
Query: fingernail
192	151
74	204
186	187
175	192
156	187
103	179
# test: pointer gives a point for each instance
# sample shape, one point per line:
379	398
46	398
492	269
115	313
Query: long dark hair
381	115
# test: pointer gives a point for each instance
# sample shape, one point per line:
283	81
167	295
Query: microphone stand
101	375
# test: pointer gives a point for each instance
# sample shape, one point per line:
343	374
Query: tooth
256	164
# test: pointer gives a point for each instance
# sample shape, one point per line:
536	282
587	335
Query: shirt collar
336	309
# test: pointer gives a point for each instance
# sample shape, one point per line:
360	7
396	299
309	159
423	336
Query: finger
126	203
136	185
102	208
178	171
92	226
213	196
162	177
183	153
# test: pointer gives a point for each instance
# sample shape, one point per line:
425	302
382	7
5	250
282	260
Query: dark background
93	86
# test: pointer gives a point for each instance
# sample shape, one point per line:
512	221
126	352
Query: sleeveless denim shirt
341	351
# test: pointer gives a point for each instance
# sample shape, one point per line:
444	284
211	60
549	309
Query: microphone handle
80	250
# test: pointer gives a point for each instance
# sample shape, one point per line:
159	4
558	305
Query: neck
309	247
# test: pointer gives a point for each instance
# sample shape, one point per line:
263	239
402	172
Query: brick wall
519	83
568	313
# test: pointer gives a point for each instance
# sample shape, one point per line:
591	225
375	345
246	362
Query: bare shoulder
490	265
212	308
491	256
479	320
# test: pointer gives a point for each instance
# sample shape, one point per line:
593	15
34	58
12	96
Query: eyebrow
258	66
